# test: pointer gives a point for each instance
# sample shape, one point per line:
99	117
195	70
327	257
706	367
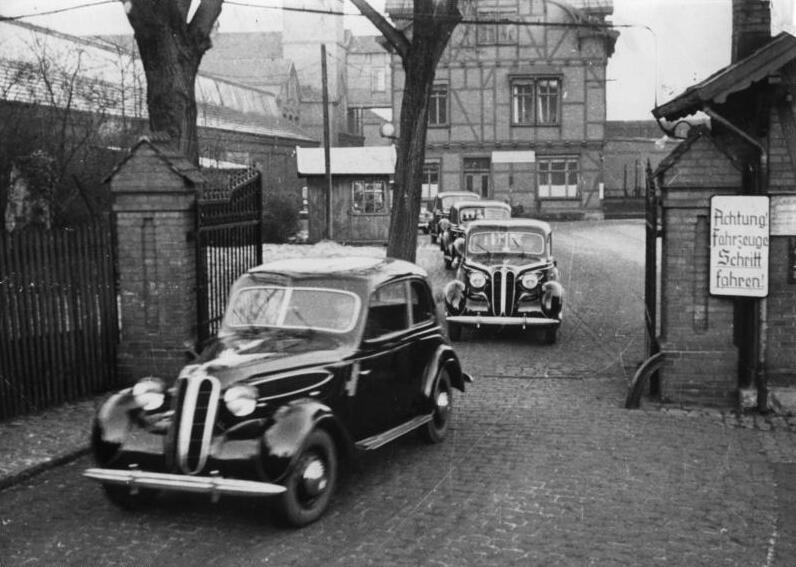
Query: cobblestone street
543	466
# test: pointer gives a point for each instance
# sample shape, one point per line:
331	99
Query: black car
316	359
460	216
507	277
441	205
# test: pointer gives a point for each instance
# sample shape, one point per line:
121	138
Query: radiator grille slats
503	285
197	405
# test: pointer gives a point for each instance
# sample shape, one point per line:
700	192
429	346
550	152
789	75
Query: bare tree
432	23
172	42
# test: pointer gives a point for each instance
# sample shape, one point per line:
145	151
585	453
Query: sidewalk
33	443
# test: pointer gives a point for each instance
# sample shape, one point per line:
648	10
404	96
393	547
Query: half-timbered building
518	105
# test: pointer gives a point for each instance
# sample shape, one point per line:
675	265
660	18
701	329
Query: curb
62	459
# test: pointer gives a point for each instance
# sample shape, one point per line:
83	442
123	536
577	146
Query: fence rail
58	317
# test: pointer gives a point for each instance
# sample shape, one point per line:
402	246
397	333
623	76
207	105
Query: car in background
441	206
507	278
459	218
316	360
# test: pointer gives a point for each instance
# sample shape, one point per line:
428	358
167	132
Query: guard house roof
739	76
368	160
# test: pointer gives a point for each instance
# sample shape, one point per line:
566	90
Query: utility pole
326	149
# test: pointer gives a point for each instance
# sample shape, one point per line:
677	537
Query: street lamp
387	130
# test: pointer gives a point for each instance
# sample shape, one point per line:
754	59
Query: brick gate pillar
154	200
697	335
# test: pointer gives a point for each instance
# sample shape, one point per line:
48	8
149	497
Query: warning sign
739	238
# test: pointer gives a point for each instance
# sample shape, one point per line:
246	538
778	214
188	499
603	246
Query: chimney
751	26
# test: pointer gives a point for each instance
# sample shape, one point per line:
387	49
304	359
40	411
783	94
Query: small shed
361	196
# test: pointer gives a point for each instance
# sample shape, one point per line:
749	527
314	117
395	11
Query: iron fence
228	242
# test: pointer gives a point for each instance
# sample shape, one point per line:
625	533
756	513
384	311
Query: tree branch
203	21
393	36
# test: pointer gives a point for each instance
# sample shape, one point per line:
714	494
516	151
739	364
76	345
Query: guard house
727	197
361	193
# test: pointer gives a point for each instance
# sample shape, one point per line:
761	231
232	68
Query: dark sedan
316	360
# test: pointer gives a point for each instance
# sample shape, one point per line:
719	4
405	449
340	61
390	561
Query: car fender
284	439
444	357
552	299
112	425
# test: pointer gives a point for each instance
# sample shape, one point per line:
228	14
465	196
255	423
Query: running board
377	441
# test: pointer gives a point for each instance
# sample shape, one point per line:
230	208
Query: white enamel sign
739	237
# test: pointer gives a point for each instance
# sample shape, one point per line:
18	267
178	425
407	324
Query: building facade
518	106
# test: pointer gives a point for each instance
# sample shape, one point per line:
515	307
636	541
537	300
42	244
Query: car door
422	342
380	397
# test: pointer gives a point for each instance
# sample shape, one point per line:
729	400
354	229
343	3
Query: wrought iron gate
228	242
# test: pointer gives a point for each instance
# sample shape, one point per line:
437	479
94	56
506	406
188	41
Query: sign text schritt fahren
739	240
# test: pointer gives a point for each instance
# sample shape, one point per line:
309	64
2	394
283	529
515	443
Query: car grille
197	405
503	280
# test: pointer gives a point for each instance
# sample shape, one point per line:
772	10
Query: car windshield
506	242
312	308
450	199
487	213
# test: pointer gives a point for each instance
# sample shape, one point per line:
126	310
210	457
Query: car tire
433	237
121	497
550	336
307	496
455	331
436	429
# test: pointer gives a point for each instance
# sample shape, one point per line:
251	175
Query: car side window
389	311
421	302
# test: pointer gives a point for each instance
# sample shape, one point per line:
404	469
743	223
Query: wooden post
326	149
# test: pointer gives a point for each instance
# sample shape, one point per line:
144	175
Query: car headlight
476	279
529	281
241	400
149	393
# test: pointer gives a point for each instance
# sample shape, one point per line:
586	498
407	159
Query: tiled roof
366	44
739	76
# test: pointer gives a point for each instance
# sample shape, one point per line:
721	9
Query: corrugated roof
739	76
113	81
367	160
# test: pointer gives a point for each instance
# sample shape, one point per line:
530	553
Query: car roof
371	269
484	203
535	224
476	196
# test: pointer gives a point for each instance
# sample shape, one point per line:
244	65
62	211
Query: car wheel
311	482
455	331
436	429
550	335
433	237
122	497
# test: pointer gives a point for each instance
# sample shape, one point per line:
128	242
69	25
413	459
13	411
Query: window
389	311
522	101
369	197
558	178
547	94
476	175
421	302
489	32
438	109
430	186
354	116
378	81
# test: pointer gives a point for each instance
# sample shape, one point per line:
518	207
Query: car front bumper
213	484
479	320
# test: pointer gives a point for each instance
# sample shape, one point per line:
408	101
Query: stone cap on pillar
154	168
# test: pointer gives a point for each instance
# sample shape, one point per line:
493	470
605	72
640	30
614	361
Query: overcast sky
687	40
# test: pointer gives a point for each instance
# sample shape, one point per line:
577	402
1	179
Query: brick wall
751	26
781	336
154	208
697	330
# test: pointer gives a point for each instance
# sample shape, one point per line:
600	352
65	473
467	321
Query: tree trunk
171	49
170	76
